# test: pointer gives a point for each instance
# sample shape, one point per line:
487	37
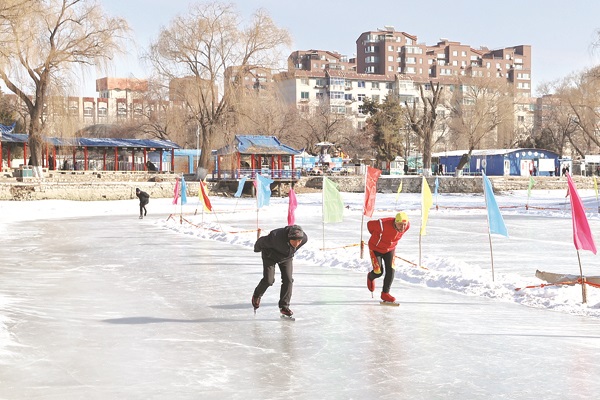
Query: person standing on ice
278	247
385	234
144	200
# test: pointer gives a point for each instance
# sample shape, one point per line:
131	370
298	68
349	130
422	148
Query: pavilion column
25	154
116	158
145	159
173	160
86	160
132	160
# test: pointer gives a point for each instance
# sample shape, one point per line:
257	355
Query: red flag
582	235
176	191
370	190
292	207
204	197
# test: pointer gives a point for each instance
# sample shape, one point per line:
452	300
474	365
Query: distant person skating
144	200
385	234
278	247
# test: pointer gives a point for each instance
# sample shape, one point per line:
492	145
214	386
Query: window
411	60
389	85
391	48
304	81
390	58
361	97
375	98
374	85
361	84
304	95
320	82
455	53
463	53
336	95
348	97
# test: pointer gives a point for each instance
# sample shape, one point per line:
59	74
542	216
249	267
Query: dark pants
143	208
388	260
287	282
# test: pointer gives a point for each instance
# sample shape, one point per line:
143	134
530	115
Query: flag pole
362	243
583	291
323	209
487	219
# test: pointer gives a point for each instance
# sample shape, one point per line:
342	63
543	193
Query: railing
251	173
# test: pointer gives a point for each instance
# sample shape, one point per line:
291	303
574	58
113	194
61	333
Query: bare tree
42	41
478	108
583	99
200	47
422	120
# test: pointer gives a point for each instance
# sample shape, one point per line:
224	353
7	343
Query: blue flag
495	220
183	191
240	188
437	183
263	190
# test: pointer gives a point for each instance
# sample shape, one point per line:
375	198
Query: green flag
333	206
531	183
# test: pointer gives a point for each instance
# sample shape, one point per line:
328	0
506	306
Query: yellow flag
596	187
399	190
426	203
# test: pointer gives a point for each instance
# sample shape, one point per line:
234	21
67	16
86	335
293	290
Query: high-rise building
387	51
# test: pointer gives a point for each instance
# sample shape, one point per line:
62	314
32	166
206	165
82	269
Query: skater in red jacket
385	234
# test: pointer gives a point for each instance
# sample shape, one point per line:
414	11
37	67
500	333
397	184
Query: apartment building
342	91
387	51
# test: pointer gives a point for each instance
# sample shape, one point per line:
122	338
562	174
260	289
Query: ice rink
112	307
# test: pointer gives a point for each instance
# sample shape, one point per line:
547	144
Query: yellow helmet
401	217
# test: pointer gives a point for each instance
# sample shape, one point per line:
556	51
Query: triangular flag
582	235
176	191
203	195
333	206
293	203
370	190
183	191
263	190
596	187
426	203
240	188
437	185
399	190
495	220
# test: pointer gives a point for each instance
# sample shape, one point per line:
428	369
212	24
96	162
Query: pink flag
292	207
582	235
371	190
176	192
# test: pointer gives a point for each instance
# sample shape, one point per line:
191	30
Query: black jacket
144	197
276	245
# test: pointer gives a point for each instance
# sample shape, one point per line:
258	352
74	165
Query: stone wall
87	187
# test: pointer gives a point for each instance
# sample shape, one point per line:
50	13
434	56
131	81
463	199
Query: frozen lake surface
97	304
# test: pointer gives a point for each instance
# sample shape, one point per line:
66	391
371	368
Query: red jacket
384	236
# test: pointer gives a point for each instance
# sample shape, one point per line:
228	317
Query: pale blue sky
560	33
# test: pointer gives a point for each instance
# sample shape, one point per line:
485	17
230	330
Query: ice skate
388	300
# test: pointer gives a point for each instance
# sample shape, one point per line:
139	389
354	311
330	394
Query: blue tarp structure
499	162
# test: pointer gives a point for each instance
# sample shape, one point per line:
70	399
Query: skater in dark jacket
144	200
278	247
385	234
